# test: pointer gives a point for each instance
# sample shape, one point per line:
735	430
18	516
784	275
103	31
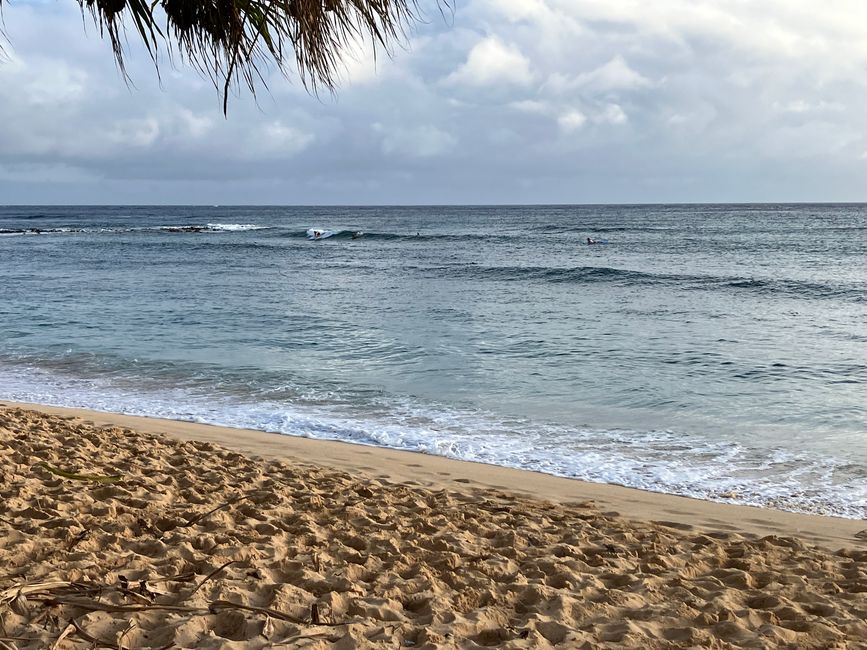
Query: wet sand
135	532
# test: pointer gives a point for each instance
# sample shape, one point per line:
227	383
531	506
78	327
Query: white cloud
136	132
531	106
423	141
612	114
505	136
276	140
614	75
492	62
803	106
571	121
519	10
41	81
361	64
197	125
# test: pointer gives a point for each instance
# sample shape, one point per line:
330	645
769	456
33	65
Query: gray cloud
510	101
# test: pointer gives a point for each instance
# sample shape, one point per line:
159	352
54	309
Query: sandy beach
127	532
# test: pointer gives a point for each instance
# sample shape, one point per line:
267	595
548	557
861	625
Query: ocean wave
591	274
38	231
593	227
359	233
235	227
210	227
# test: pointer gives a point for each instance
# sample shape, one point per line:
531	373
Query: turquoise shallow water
713	351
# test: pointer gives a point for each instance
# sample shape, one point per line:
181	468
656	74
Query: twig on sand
114	478
268	627
144	591
187	576
69	629
103	642
130	626
95	606
136	596
218	605
331	638
75	540
226	504
81	596
88	637
209	576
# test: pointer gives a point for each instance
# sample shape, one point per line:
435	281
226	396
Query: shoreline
438	472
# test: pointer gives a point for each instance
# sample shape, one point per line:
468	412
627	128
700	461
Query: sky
501	101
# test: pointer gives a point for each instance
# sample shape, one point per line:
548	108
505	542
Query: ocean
712	351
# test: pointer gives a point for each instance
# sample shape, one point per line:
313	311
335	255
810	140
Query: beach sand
207	537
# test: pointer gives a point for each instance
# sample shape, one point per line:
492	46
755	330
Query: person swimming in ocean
590	240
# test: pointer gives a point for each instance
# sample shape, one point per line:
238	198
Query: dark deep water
706	350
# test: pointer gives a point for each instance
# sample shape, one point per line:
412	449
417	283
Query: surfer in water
357	234
590	241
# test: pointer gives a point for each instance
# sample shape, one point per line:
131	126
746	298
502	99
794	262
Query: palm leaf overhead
231	40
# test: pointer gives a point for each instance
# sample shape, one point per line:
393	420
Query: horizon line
420	205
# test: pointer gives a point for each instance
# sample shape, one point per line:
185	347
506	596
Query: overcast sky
507	101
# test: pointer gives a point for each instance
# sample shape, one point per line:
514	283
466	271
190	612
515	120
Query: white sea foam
210	227
231	227
321	233
661	461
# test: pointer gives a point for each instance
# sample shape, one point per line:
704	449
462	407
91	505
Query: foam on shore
702	467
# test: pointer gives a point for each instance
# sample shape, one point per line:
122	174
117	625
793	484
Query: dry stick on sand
103	642
213	608
136	596
328	636
218	605
209	576
226	504
69	629
43	592
96	606
187	576
113	478
130	626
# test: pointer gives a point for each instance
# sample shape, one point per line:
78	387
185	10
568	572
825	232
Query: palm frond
232	41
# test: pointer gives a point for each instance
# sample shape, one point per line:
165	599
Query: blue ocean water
715	351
